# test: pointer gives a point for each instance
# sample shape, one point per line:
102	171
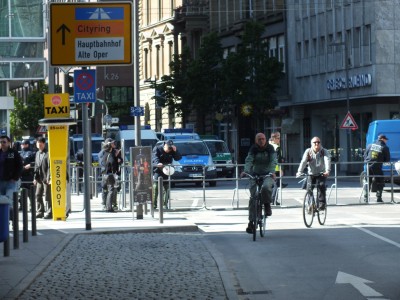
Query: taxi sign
90	34
56	106
85	86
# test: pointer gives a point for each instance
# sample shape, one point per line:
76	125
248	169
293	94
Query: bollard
160	199
25	232
4	224
33	210
15	221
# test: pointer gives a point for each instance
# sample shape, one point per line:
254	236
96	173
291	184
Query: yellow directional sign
90	34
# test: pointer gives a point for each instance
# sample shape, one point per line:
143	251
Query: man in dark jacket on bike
260	160
376	154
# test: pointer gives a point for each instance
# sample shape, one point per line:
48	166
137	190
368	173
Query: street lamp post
348	131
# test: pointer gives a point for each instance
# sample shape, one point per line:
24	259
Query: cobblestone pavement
130	266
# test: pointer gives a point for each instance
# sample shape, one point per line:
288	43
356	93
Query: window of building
148	12
158	58
146	63
272	47
281	53
119	99
328	4
357	46
297	9
321	49
312	7
314	47
306	49
298	51
160	10
349	48
367	45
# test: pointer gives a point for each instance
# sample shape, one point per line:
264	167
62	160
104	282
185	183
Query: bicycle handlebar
255	176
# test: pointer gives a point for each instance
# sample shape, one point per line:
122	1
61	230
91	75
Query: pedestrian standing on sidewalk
275	141
42	180
28	159
109	169
376	154
10	170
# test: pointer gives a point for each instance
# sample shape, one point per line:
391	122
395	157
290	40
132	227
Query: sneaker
321	205
379	200
249	228
268	210
48	216
284	185
39	215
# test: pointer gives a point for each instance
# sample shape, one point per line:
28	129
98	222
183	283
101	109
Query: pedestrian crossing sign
348	122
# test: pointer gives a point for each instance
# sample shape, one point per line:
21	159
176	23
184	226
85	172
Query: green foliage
26	115
209	83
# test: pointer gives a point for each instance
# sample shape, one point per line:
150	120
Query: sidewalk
120	258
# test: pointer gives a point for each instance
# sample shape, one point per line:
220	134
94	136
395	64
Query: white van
148	137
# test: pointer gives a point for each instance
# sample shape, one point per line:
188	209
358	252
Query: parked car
195	157
178	134
221	156
76	145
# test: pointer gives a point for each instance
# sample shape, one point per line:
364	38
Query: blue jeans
7	188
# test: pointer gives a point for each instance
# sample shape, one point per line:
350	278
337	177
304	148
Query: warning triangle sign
348	122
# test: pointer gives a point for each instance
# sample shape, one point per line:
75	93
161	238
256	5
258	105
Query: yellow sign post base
58	155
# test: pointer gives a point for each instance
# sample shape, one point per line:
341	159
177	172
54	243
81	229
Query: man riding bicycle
261	160
318	160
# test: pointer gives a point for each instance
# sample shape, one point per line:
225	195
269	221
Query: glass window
119	100
21	20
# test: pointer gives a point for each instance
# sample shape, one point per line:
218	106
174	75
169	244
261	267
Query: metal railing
335	192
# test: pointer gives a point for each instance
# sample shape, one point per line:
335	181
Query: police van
221	156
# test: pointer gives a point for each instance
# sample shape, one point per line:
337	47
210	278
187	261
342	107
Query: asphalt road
356	255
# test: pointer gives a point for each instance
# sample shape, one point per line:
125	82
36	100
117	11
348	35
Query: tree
26	115
249	75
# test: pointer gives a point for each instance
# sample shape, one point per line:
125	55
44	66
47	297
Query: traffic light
160	99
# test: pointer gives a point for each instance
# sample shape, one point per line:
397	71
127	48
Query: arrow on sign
63	28
358	283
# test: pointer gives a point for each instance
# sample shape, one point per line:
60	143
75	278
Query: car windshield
96	146
192	148
217	146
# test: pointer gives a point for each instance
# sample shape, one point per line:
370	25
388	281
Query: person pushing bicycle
318	160
260	160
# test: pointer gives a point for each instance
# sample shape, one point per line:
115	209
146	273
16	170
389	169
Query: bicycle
310	204
259	218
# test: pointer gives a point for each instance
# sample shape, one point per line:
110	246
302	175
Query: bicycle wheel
263	221
255	216
308	209
322	215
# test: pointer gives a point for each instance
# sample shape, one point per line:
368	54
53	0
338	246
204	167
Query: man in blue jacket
376	154
10	170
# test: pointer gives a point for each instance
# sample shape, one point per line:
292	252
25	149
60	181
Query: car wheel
213	183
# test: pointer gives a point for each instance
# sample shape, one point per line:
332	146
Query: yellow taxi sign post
57	120
85	34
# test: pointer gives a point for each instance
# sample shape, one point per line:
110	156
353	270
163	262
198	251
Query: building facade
329	42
